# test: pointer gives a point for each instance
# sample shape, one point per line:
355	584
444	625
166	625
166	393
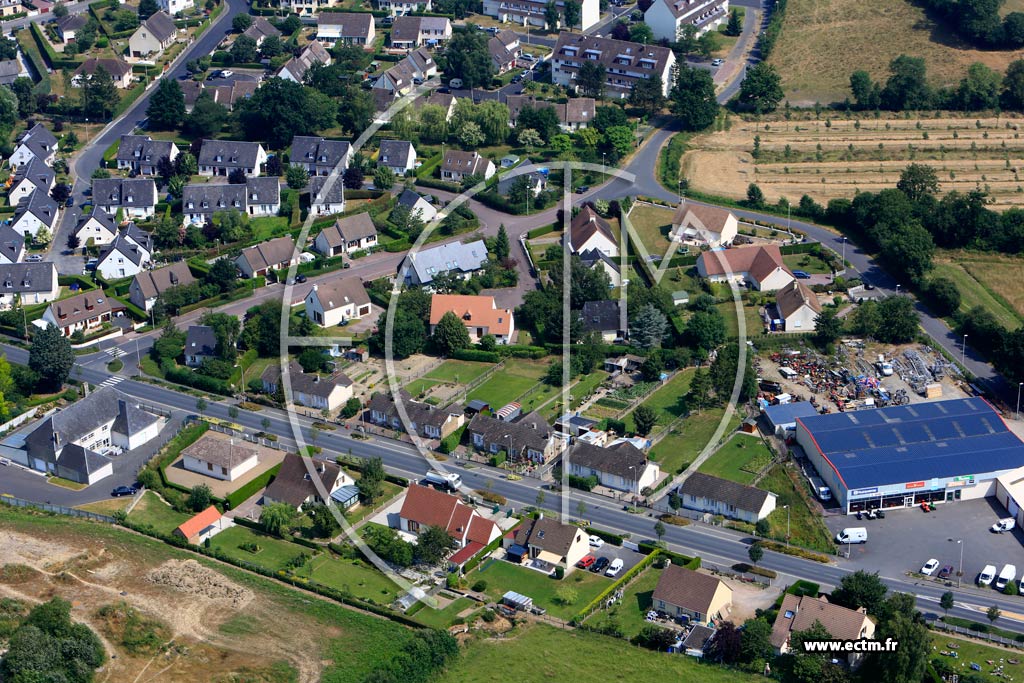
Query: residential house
459	165
528	439
68	25
153	36
296	484
192	90
397	155
348	234
11	70
760	265
504	50
668	18
313	390
37	142
346	28
417	205
83	311
622	467
796	309
398	8
220	456
574	424
611	265
337	300
30	177
295	69
127	255
36	212
201	527
200	345
531	12
175	7
800	612
625	62
221	157
422	63
588	231
424	419
274	254
576	113
118	69
398	80
683	592
623	364
142	154
260	30
444	100
258	197
12	245
306	8
320	156
231	94
326	196
98	226
547	544
135	197
536	179
706	493
420	267
27	283
696	642
607	318
72	442
479	314
8	8
703	225
424	507
408	33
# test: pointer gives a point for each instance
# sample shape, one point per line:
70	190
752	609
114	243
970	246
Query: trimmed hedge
476	355
240	495
475	561
451	442
439	185
514	351
542	230
55	61
582	483
616	585
607	536
197	381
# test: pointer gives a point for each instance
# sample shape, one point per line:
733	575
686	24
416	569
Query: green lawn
809	263
509	383
973	293
458	371
652	224
547	654
668	400
739	459
972	651
156	513
441	618
419	386
502	577
583	387
636	601
750	315
805	525
355	576
274	552
360	512
676	451
264	228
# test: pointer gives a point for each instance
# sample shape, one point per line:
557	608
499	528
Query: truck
443	482
823	492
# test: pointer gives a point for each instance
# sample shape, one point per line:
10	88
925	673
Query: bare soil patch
193	578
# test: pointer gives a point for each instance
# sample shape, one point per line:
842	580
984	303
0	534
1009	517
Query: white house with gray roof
221	157
398	8
28	283
319	156
408	33
74	443
127	255
417	205
200	344
419	268
348	28
275	254
37	142
258	197
668	18
30	177
98	226
719	496
141	153
37	212
336	301
326	198
622	467
12	245
348	234
314	390
136	197
397	155
148	285
153	36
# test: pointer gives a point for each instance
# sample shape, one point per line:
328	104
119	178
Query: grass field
809	263
636	601
974	651
550	654
458	371
805	525
839	156
509	383
442	618
153	511
419	386
739	460
274	552
754	324
991	281
668	400
652	224
824	41
504	576
107	507
361	579
676	451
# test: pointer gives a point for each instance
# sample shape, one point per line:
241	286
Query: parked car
929	567
596	541
801	275
69	202
717	62
300	278
987	575
614	568
455	83
124	491
999	527
946	571
33	258
582	188
588	560
600	565
227	73
417	81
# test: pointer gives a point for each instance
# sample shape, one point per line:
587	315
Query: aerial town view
454	341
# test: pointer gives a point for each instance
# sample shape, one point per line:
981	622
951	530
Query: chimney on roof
321	467
122	407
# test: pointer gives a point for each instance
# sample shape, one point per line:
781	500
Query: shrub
488	616
480	586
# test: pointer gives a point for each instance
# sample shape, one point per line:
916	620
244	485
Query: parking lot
906	539
629	558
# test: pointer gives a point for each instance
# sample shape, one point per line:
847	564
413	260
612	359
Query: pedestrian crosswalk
115	352
113	380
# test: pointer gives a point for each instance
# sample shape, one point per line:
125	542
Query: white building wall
202	467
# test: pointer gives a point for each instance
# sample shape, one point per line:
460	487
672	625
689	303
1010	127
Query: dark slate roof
419	413
353	24
82	460
687	589
143	149
729	492
601	316
270	253
920	441
116	67
357	227
409	198
261	28
155	282
224	196
200	340
40	135
698	637
27	277
161	26
101	217
530	431
319	151
71	22
36	171
127	247
40	205
232	153
125	192
313	384
10	69
615	460
293	484
546	534
334	195
396	153
12	245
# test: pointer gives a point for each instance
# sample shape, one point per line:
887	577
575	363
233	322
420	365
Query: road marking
113	380
116	352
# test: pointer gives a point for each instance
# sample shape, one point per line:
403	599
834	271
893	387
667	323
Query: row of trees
980	23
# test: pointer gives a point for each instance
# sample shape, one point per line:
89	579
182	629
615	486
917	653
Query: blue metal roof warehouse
904	455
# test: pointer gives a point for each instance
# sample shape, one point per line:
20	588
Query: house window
209	467
224	471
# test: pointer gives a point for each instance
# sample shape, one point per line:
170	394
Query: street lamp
604	156
632	490
1019	385
963	353
843	264
897	290
787	523
959	542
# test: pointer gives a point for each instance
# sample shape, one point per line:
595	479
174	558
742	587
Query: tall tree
860	589
918	181
735	25
551	16
450	334
276	518
280	110
432	544
469	58
99	95
573	13
1013	86
761	90
51	357
827	327
648	328
647	94
371	483
866	92
699	395
979	89
755	640
502	246
907	86
147	8
166	110
207	117
590	79
644	419
693	98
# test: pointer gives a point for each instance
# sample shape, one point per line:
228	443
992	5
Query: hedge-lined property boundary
241	494
594	604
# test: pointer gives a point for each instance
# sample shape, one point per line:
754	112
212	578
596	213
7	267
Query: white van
857	534
1008	574
614	568
986	575
1006	524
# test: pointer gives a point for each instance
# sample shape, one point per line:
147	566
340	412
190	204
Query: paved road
14	24
90	157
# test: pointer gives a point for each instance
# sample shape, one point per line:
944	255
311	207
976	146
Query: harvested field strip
973	293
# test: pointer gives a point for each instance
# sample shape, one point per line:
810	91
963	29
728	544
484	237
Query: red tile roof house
424	506
204	525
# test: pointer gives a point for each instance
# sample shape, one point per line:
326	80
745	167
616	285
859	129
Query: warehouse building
902	456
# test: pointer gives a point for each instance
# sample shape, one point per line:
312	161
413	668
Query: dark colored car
582	188
801	275
124	491
946	571
300	278
600	565
70	201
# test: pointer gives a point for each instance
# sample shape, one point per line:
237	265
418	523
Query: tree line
979	22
